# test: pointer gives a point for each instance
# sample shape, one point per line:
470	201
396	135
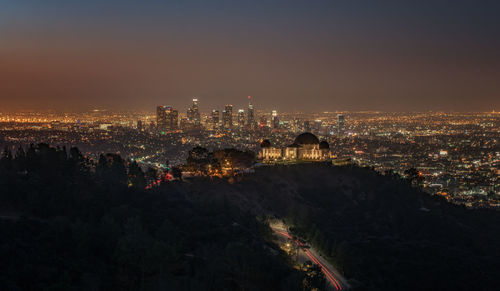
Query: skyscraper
167	118
340	124
275	123
193	113
250	115
215	119
227	117
241	118
161	118
196	112
172	118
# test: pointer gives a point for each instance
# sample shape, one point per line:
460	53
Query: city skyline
321	56
185	106
249	145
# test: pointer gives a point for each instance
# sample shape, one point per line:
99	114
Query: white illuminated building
306	147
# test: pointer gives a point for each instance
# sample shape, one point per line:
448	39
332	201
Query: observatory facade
306	147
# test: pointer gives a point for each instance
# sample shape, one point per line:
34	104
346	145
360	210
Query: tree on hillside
111	167
235	159
176	173
200	160
136	177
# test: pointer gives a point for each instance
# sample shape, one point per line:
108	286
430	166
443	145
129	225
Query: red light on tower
249	97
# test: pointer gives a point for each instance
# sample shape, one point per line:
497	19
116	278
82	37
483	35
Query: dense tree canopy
69	223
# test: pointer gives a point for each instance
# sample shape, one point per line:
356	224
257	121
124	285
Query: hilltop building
306	147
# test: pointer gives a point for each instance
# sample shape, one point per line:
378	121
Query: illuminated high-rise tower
250	114
215	118
340	124
161	118
275	122
172	118
195	104
196	111
193	113
167	118
241	118
227	117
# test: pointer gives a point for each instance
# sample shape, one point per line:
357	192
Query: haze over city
314	145
291	55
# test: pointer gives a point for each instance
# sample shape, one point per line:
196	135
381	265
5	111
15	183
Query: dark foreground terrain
69	224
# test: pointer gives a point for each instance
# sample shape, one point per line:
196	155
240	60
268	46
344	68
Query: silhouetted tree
136	176
200	160
235	159
176	173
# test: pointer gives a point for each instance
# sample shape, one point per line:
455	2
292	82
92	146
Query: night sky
311	55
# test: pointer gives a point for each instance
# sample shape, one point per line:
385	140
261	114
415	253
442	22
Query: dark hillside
64	227
70	224
381	232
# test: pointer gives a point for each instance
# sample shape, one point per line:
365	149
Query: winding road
333	276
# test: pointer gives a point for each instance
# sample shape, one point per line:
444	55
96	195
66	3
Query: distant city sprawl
455	155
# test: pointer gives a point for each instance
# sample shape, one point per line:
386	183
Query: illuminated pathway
335	280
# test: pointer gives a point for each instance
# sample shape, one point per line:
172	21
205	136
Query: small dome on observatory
324	145
265	144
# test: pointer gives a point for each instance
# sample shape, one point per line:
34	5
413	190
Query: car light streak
315	260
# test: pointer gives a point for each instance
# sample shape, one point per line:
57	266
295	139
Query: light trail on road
315	260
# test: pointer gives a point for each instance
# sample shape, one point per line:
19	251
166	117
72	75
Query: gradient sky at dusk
315	55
